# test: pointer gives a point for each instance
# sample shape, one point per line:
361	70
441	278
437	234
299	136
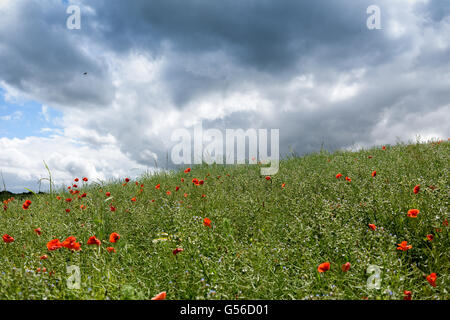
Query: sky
312	69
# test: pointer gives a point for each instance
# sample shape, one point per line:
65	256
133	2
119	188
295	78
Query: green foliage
265	242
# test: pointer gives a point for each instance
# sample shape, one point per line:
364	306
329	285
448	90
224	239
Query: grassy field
266	238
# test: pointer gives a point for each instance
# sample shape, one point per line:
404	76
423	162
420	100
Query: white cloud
23	158
45	113
5	3
432	125
17	115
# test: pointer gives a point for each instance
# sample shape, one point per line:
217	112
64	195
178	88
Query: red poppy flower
54	244
177	251
85	179
203	195
38	231
113	237
67	210
346	266
94	240
43	257
201	182
339	175
133	199
185	195
323	267
158	186
68	199
374	173
7	238
431	278
445	223
370	157
75	186
26	205
268	178
407	294
430	237
168	192
187	170
111	249
207	222
71	243
372	226
68	240
182	179
283	185
160	296
108	194
416	189
112	208
384	148
412	213
195	181
177	188
403	246
348	179
127	180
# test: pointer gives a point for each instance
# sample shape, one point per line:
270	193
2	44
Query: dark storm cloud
263	34
278	38
41	58
272	37
437	10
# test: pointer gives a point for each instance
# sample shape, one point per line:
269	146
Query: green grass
265	242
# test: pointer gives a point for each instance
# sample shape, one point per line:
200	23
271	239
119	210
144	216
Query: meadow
320	228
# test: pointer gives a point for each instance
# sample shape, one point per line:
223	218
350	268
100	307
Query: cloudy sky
312	69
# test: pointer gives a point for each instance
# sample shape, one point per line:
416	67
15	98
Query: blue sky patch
24	119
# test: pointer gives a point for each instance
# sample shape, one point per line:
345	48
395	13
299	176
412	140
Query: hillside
266	238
